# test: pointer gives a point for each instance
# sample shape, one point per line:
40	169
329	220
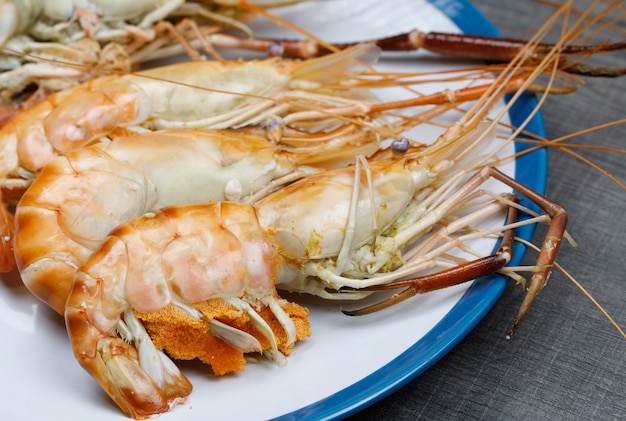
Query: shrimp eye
275	49
400	146
274	129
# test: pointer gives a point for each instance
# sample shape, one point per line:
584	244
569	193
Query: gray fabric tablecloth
566	361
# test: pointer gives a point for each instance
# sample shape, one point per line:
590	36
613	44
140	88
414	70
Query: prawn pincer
465	46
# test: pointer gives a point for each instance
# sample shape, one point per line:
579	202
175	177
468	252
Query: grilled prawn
340	233
186	95
47	46
222	276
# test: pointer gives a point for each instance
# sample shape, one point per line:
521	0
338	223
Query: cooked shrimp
183	95
320	232
46	46
74	198
162	259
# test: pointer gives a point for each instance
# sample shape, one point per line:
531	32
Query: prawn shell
318	229
196	252
209	88
79	198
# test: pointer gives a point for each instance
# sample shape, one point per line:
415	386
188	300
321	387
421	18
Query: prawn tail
120	355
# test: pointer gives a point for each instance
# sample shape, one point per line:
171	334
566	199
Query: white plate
347	363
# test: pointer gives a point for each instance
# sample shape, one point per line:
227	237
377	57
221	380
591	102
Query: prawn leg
466	46
453	276
490	264
116	362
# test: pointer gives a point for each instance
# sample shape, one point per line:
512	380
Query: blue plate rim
531	169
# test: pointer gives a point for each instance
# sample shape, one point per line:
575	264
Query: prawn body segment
162	262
